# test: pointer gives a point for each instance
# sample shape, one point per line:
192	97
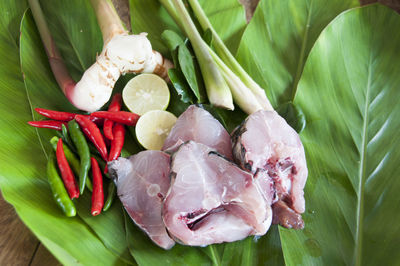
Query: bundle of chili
113	122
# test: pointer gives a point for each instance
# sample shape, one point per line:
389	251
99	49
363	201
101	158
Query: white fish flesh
200	126
211	200
142	182
265	141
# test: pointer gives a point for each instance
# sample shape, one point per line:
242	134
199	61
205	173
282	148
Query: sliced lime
146	92
153	128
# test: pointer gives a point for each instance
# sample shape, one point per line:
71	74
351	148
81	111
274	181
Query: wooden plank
17	243
44	258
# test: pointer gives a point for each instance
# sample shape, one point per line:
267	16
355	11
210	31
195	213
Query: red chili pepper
66	116
122	117
118	142
66	172
57	125
107	141
93	133
115	105
98	194
56	115
98	121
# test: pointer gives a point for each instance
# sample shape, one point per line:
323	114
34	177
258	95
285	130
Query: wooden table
18	246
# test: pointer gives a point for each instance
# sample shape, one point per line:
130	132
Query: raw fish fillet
266	142
211	200
142	182
200	126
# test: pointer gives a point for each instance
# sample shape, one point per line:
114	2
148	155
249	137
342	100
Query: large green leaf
350	94
228	18
349	87
74	28
22	178
146	252
42	91
278	39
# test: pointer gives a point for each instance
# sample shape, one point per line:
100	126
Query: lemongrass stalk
228	58
171	11
57	64
242	96
108	19
218	91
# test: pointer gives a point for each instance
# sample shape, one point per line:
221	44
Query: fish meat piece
285	216
211	200
265	141
266	186
200	126
142	182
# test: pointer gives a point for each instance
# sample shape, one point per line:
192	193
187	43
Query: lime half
146	92
153	128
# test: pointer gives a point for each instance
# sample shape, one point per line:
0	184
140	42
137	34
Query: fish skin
142	182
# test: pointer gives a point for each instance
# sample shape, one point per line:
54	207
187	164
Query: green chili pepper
93	149
65	135
57	187
72	160
125	153
110	196
83	150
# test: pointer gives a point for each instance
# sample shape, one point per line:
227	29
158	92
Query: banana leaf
276	43
350	93
23	177
228	18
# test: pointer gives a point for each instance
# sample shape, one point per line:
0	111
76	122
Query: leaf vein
361	174
301	59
